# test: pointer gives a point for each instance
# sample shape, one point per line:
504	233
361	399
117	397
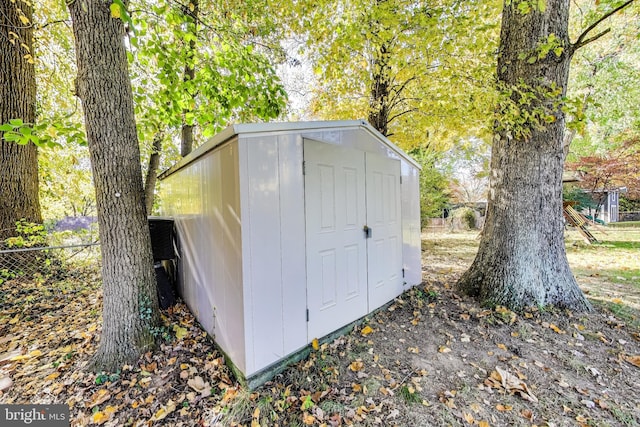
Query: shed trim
255	129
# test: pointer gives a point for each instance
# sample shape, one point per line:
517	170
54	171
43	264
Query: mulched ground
432	358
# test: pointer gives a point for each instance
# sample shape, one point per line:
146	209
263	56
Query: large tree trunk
18	163
130	304
522	260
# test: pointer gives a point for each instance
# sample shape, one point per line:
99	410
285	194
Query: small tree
619	167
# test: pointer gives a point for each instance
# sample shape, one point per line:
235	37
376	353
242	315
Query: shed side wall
411	246
274	247
204	200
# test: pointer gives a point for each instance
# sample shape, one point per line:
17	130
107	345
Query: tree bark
18	163
522	261
379	108
130	304
152	172
186	142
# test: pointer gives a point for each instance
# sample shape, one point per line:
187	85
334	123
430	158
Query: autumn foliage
619	167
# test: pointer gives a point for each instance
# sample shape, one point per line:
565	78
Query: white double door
353	234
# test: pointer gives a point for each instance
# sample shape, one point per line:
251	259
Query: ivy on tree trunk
130	304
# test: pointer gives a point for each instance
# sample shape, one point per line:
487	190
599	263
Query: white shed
290	231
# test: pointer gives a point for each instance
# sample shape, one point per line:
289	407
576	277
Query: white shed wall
411	245
204	200
273	247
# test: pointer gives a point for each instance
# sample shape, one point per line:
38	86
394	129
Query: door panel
384	248
336	248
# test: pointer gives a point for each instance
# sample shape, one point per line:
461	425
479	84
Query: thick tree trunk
130	304
18	163
521	260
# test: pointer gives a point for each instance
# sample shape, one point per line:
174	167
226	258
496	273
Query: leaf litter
431	357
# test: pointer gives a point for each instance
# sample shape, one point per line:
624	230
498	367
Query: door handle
367	232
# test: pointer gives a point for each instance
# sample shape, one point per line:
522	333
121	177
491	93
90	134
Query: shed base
259	378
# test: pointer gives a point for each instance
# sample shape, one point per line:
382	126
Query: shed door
384	246
336	247
348	273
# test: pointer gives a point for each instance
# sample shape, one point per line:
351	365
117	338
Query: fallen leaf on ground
511	383
634	360
366	330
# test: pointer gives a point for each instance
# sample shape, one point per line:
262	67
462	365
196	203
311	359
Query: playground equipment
579	221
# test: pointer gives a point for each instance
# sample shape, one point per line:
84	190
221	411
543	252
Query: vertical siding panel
294	274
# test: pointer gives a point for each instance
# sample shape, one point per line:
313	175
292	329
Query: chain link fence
36	255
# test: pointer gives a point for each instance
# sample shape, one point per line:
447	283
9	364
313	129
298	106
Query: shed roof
232	131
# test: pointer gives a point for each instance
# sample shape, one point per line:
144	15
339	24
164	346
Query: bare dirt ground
431	358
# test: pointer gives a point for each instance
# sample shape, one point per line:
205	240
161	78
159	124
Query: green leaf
6	127
16	122
115	10
542	5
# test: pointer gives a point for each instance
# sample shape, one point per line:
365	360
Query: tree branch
581	41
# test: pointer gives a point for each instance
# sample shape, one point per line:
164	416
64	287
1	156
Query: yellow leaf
115	10
356	366
24	19
256	413
180	332
502	346
503	408
315	345
616	301
483	423
255	423
192	7
135	404
556	329
110	410
93	327
99	418
356	387
366	330
443	349
468	418
164	411
14	320
52	376
308	419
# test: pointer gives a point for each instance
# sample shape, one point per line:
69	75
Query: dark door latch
367	232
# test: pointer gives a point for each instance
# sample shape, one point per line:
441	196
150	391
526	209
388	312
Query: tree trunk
130	303
18	163
522	260
152	172
186	142
380	91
